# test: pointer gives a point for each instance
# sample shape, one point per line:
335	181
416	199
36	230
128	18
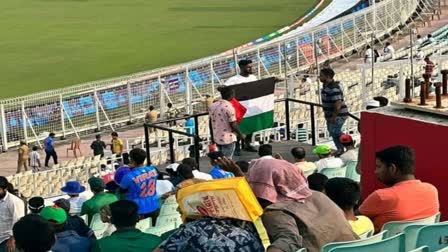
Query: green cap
54	214
322	149
96	183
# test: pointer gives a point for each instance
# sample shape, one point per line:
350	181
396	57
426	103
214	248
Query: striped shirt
330	94
34	157
12	209
429	68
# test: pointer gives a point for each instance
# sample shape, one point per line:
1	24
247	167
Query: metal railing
110	104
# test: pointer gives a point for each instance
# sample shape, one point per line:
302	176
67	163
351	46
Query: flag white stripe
259	105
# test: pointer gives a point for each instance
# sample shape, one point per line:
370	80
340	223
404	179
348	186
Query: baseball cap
96	183
54	214
322	149
345	138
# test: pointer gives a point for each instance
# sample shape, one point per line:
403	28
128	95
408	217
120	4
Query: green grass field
48	44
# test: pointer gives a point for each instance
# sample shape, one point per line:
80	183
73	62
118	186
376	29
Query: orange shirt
407	200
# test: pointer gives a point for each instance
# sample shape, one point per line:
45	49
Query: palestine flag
258	98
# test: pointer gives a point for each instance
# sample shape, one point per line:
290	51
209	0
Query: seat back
420	249
351	171
411	232
372	239
434	236
366	234
144	224
394	243
334	172
395	227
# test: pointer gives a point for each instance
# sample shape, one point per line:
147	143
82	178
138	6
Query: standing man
246	75
151	117
140	184
224	125
171	113
49	149
23	156
12	209
334	107
429	68
117	144
98	146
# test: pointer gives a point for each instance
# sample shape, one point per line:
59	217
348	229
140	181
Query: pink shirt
222	114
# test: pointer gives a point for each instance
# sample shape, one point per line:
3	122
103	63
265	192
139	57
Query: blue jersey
141	185
218	173
48	144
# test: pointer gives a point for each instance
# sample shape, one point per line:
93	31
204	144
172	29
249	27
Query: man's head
214	156
137	157
427	59
64	204
3	187
244	165
326	75
151	108
322	150
98	137
52	134
419	36
346	140
298	153
191	162
169	105
245	67
344	192
316	181
227	92
114	135
33	233
430	35
387	44
36	204
395	164
185	171
96	184
22	142
55	216
265	150
124	213
35	148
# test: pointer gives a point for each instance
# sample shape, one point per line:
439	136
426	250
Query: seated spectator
405	198
66	240
118	176
124	216
389	50
99	199
244	166
105	215
346	194
419	40
186	173
141	184
294	216
211	234
265	151
171	169
74	222
351	153
327	160
35	205
430	39
299	156
216	172
197	174
316	182
73	189
33	233
163	187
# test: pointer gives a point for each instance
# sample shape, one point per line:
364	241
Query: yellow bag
220	198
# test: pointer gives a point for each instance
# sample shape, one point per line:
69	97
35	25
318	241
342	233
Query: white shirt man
12	209
368	55
389	50
329	162
238	79
350	155
76	204
419	41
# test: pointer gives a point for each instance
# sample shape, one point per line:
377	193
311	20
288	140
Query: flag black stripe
251	90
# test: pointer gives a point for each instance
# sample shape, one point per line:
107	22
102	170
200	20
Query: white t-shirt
350	155
389	50
34	156
202	175
238	79
419	41
368	55
164	186
329	162
76	204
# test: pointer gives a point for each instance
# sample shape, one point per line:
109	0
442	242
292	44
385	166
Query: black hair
244	165
298	152
35	148
345	192
316	181
387	43
114	134
419	36
151	107
137	155
327	72
98	136
52	134
215	155
33	233
265	150
244	62
169	105
124	213
191	162
3	183
401	156
430	35
185	171
226	92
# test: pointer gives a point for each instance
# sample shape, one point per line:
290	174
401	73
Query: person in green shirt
127	238
99	199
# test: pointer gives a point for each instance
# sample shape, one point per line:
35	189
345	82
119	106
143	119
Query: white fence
111	103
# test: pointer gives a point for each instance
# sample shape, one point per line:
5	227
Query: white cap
373	103
172	167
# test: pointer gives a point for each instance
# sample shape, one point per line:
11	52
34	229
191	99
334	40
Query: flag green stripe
258	122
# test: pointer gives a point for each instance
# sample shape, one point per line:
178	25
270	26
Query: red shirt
429	68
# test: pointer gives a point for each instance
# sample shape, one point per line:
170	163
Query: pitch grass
48	44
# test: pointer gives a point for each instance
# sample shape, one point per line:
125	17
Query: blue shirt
141	185
218	173
189	125
48	143
70	241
